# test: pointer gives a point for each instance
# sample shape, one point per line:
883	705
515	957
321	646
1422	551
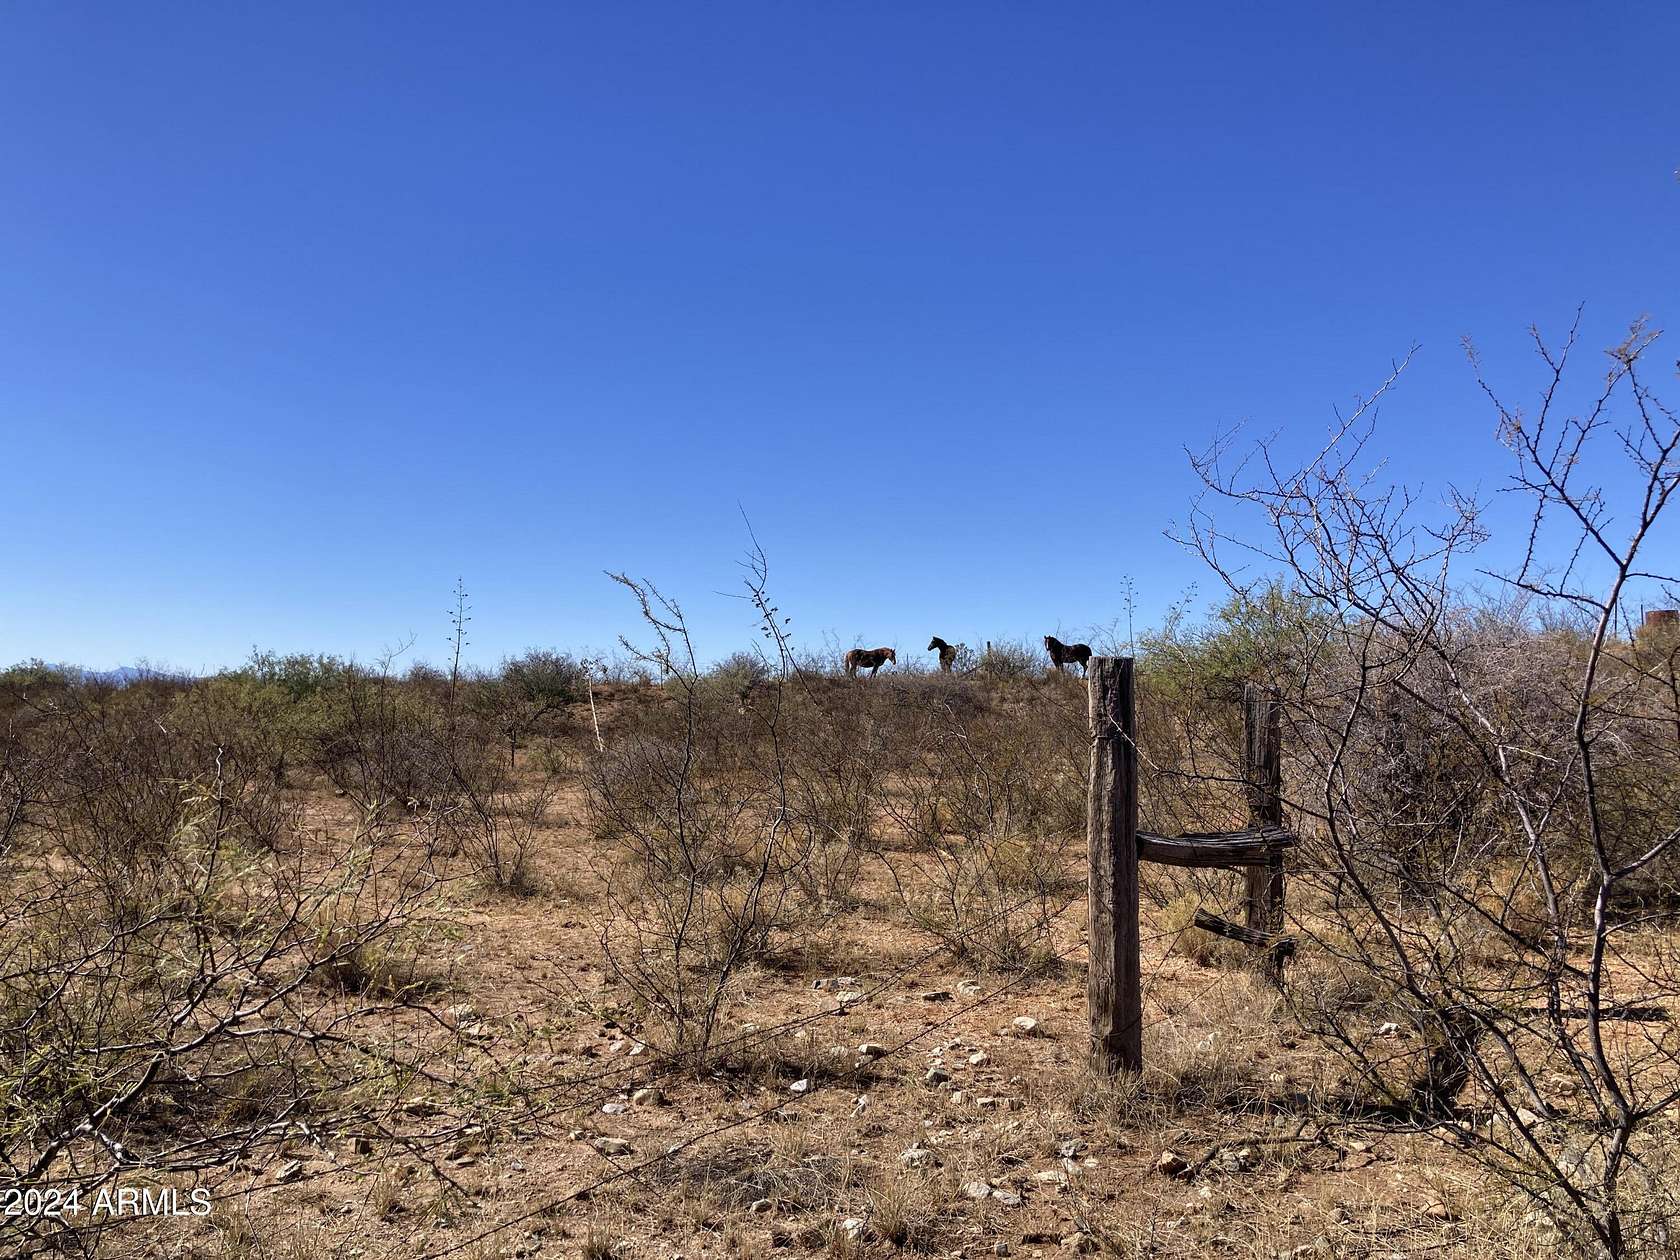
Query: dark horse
868	658
1067	653
947	653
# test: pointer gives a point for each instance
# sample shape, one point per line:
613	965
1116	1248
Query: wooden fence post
1114	987
1263	773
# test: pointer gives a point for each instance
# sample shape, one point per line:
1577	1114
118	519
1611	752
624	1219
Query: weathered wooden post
1114	988
1263	773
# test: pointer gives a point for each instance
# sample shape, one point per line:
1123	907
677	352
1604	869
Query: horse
872	658
947	653
1064	653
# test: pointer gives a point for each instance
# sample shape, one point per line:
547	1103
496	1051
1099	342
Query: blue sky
309	309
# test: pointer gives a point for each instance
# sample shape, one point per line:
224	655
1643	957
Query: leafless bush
708	851
1490	783
992	809
1006	658
182	984
383	745
487	813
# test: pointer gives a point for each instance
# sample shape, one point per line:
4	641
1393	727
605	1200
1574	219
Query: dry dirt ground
970	1126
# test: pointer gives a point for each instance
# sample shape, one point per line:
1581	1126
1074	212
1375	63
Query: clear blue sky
309	308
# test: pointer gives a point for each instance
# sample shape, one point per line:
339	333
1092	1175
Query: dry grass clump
605	1237
242	1235
905	1209
789	1167
1221	1051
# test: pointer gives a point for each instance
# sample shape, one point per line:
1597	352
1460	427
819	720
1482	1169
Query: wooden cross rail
1283	945
1114	988
1217	848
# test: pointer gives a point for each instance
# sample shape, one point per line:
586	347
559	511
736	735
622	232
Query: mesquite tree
1486	764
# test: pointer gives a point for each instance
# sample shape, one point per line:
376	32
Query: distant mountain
118	677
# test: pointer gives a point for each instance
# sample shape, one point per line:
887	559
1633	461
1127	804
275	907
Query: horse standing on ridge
870	658
947	653
1066	653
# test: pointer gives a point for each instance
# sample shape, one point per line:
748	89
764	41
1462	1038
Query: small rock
968	988
1006	1197
1389	1029
937	1076
614	1108
1239	1160
850	997
918	1157
852	1227
612	1146
801	1086
959	1097
872	1050
1025	1026
648	1096
760	1206
1528	1119
291	1170
1071	1148
1000	1248
978	1190
979	1059
1172	1164
1051	1177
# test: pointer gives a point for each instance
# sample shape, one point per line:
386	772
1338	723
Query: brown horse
1067	653
947	653
868	658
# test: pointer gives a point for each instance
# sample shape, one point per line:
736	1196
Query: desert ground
739	966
